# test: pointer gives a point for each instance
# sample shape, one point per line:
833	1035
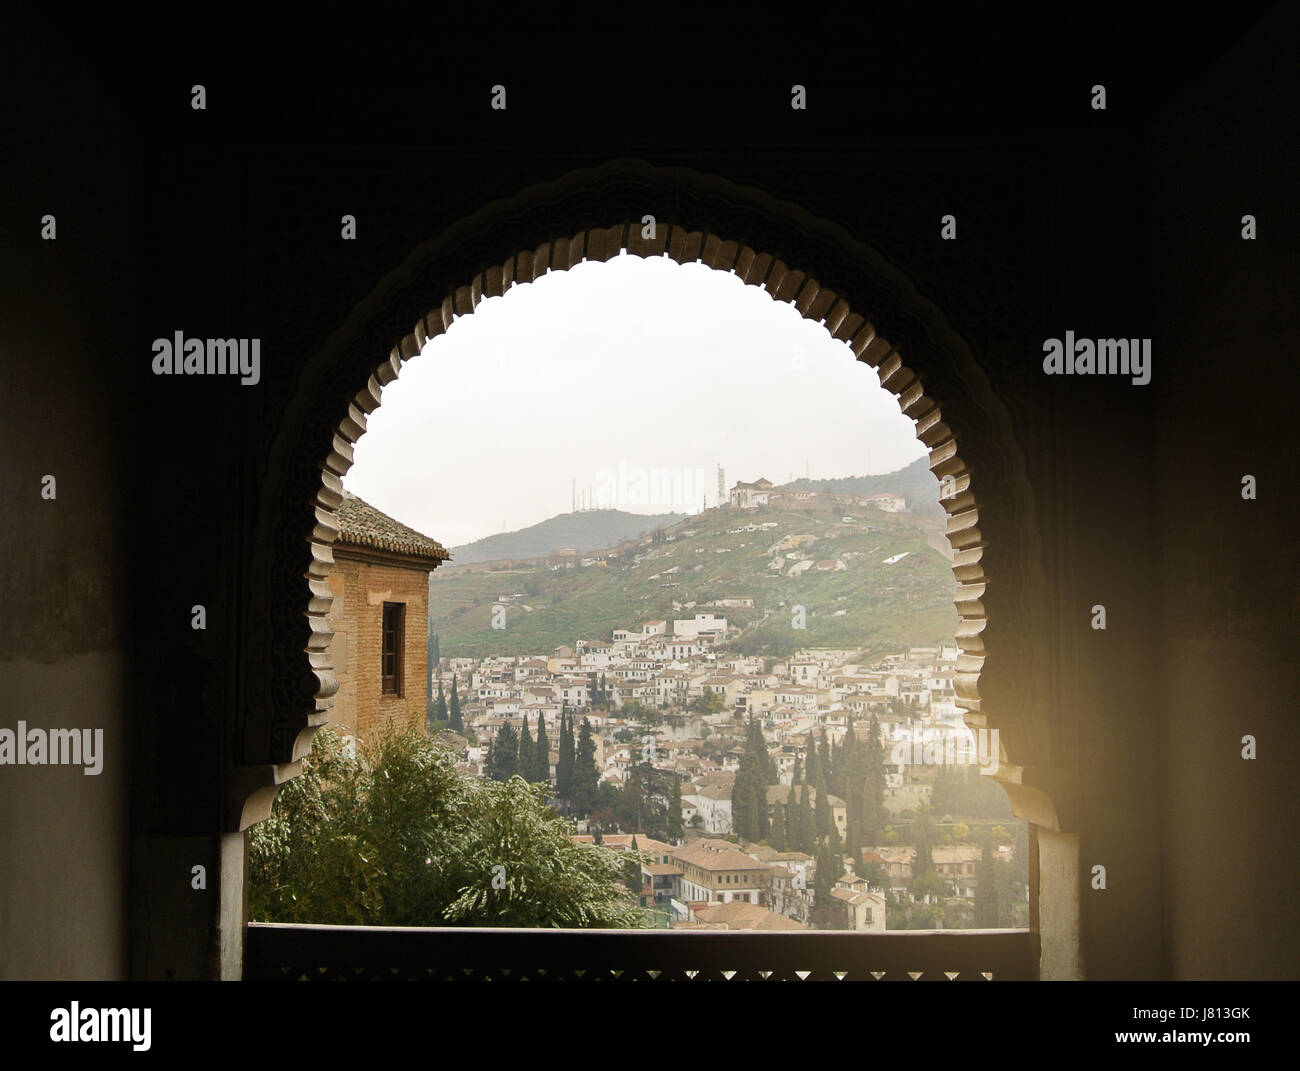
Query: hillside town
799	785
667	695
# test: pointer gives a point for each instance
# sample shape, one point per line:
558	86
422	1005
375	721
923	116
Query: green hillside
587	530
869	604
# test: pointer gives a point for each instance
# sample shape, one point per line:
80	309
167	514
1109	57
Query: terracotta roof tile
361	525
739	915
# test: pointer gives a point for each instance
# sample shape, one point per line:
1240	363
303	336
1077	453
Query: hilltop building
751	495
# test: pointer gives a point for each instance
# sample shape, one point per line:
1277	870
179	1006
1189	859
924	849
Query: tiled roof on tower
361	525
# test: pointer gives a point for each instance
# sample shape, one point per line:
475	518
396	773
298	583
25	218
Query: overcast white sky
636	378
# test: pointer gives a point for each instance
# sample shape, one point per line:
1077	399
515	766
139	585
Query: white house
713	805
886	502
702	625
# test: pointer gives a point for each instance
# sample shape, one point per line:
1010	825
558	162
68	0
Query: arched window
1028	782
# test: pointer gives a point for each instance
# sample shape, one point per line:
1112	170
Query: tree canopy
396	837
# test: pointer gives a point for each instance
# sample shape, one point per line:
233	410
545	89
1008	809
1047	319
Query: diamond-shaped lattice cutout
691	974
951	975
765	975
986	975
654	975
839	975
803	975
877	975
915	975
728	975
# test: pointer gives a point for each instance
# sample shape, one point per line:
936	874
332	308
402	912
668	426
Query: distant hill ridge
584	531
861	578
601	529
915	482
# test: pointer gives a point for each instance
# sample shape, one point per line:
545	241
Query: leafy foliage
395	837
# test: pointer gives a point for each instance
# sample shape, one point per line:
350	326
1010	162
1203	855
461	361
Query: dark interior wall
1228	314
66	309
230	223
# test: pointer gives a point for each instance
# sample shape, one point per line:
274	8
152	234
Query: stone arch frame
826	273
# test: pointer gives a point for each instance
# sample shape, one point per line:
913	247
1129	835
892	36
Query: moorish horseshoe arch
287	696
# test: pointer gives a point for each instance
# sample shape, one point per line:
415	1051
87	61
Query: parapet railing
280	952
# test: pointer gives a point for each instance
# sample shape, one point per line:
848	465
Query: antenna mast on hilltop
722	484
573	497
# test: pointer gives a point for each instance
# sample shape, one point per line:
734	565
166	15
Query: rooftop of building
717	855
740	915
361	525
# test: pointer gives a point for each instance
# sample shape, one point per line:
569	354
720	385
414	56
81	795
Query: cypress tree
742	801
571	756
836	841
750	818
807	823
811	763
855	773
835	780
765	774
778	836
743	818
871	827
542	752
770	776
585	775
456	722
763	820
791	818
823	913
675	830
871	815
823	805
503	755
564	764
526	757
634	801
797	777
438	713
